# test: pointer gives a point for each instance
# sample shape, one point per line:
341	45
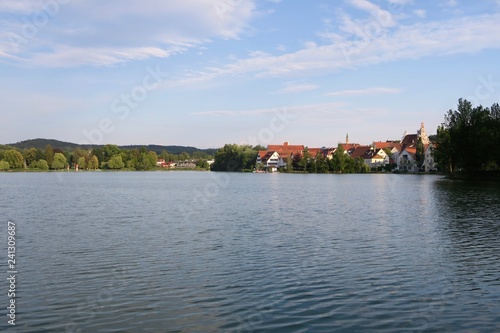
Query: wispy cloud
108	29
401	2
324	108
294	88
217	113
367	91
435	38
451	3
420	13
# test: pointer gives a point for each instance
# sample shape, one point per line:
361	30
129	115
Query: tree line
233	157
468	140
107	157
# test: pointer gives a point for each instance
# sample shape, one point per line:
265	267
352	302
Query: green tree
82	163
183	156
289	164
339	160
93	163
305	159
59	161
115	162
468	139
4	165
49	154
420	155
444	153
233	157
42	165
321	163
360	166
14	158
202	164
30	155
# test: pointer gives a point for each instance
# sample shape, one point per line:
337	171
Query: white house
269	160
376	158
429	163
407	160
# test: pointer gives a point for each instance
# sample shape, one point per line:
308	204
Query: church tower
421	134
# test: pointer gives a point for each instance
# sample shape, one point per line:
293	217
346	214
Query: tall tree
93	163
467	139
59	161
49	154
116	162
14	158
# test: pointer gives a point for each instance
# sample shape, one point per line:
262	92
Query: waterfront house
407	159
429	163
372	156
268	160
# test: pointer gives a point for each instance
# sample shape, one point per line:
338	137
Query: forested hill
69	146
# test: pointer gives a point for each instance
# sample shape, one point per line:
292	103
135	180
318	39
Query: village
392	155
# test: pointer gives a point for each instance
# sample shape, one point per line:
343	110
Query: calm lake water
217	252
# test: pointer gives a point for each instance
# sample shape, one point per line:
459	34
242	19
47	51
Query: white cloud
281	47
215	113
439	38
16	6
381	16
420	13
401	2
451	3
325	108
294	88
74	56
104	26
367	91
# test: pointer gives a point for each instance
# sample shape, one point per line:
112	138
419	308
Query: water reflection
468	222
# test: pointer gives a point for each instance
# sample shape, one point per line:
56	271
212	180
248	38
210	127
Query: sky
205	73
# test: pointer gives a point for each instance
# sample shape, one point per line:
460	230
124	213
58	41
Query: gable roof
349	146
262	153
386	144
412	151
286	148
409	140
360	151
267	156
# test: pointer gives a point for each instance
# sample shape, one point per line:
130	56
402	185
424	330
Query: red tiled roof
348	146
409	140
286	148
262	153
411	150
314	151
386	144
359	151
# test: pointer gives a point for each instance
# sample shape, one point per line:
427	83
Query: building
162	164
429	163
372	156
268	160
407	159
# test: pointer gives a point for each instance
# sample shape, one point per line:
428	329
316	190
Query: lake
219	252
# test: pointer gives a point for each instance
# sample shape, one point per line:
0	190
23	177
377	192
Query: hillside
69	146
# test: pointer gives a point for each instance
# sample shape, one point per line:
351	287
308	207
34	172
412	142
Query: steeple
347	139
421	134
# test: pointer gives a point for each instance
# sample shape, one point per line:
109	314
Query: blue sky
208	72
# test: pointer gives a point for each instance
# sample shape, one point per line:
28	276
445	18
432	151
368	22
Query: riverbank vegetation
241	158
107	157
468	142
